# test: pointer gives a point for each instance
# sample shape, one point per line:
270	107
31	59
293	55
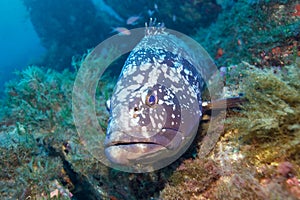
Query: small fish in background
121	31
133	20
239	42
219	53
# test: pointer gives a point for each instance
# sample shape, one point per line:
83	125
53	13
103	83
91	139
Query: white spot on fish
153	123
145	66
161	117
144	129
186	71
159	125
139	78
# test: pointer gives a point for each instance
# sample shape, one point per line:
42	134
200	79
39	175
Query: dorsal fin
153	27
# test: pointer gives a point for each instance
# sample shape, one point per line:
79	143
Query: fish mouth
137	147
122	143
130	153
120	138
125	149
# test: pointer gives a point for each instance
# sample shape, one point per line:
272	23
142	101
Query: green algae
37	110
40	98
26	169
270	119
249	29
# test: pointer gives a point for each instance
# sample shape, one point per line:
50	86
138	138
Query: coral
285	169
266	132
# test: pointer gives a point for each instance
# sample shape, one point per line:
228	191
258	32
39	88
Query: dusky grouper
155	107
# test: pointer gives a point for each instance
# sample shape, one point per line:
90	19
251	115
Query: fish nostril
135	114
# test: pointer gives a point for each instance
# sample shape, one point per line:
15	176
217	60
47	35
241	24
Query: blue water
20	44
50	32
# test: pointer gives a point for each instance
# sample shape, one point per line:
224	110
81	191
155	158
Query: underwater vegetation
256	46
246	159
36	109
258	156
40	99
259	32
270	119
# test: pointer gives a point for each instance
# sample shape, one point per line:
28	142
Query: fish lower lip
129	143
121	139
129	154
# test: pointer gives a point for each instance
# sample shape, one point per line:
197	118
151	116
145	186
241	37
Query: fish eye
151	99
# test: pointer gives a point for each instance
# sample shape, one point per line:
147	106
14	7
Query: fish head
146	116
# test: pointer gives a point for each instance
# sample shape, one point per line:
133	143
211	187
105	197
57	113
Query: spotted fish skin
155	108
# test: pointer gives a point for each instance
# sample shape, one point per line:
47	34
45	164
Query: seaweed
37	111
270	119
41	98
26	169
249	31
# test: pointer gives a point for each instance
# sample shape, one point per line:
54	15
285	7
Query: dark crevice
83	189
